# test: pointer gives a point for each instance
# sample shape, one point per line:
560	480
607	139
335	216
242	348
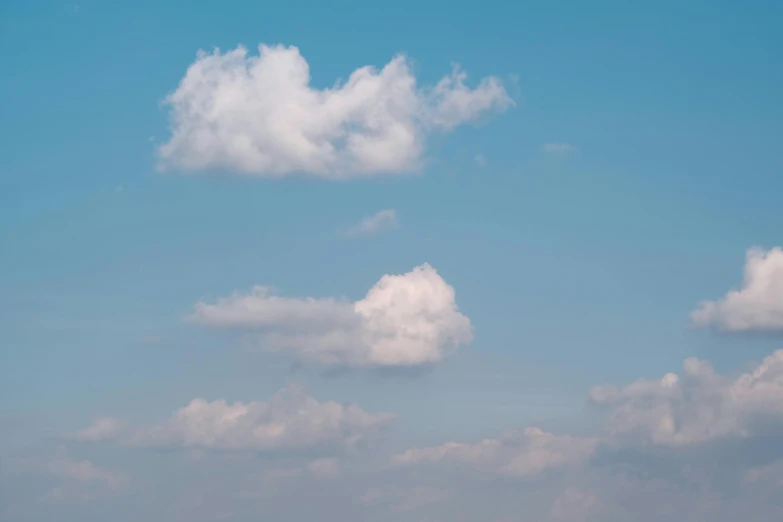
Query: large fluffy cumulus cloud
258	115
757	305
404	321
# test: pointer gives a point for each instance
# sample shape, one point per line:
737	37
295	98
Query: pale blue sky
575	269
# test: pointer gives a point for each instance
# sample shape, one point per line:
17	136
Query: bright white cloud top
288	420
259	116
404	321
757	305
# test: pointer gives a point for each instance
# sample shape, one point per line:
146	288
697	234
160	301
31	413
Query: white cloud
522	454
404	320
290	419
371	225
480	160
258	115
63	466
757	305
558	148
696	407
103	428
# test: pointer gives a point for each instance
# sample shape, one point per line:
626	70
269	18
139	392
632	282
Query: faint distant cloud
371	225
324	468
119	188
480	160
104	428
69	470
560	148
404	499
152	339
574	504
522	454
290	419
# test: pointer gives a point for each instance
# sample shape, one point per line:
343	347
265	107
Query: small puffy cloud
371	225
103	428
288	420
559	149
524	454
695	407
259	116
63	466
757	305
404	320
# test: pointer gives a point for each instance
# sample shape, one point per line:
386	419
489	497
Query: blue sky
580	216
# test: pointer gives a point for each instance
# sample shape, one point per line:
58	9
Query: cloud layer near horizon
517	454
697	406
288	420
677	411
692	439
259	116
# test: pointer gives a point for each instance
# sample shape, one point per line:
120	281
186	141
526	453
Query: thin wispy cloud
372	225
559	148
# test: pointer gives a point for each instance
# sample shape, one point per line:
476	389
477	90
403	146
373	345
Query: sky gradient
424	261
